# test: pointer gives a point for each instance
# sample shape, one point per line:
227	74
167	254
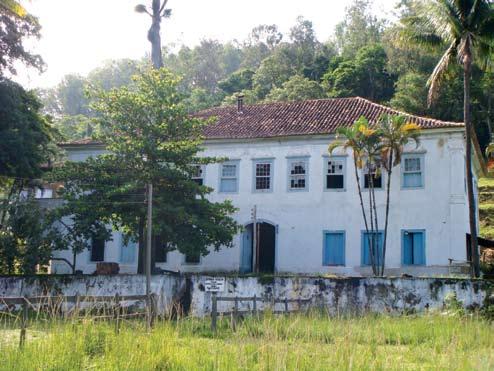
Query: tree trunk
154	36
467	65
372	238
388	186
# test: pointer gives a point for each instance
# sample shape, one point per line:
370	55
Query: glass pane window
374	173
298	174
97	250
229	178
192	258
412	172
263	176
198	174
335	174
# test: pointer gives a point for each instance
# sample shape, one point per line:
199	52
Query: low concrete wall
337	295
164	286
345	295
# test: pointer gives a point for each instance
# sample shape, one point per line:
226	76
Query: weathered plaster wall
343	295
439	208
337	295
164	286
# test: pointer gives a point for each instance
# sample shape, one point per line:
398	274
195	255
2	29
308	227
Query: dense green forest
365	57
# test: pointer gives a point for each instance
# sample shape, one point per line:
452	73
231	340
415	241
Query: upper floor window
412	174
334	168
298	170
198	174
229	177
375	173
263	175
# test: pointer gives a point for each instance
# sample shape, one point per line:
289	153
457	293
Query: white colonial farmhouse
307	202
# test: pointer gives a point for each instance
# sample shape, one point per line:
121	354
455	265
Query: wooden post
24	314
117	313
76	305
235	314
154	308
299	304
254	304
214	311
286	305
148	251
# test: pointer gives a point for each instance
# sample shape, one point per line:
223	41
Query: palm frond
434	81
13	7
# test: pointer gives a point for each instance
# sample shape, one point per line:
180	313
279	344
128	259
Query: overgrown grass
296	342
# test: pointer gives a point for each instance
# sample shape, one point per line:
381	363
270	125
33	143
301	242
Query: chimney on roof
240	103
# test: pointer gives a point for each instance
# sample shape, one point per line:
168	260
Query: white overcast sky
78	36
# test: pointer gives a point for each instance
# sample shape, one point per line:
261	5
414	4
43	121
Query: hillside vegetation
486	207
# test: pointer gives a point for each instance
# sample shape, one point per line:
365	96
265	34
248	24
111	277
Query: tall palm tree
365	145
395	132
466	29
157	11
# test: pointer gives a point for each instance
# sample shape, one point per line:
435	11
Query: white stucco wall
439	207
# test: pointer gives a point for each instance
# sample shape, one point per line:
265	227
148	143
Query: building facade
305	201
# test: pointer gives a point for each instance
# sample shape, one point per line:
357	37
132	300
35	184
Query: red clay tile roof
309	117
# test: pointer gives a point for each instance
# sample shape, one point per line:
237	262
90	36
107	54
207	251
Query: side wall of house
438	208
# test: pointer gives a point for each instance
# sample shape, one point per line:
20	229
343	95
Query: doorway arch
262	259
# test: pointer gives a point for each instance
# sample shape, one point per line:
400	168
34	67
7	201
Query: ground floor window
413	251
192	258
377	247
334	248
128	252
97	250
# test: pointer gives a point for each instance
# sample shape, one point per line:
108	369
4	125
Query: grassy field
309	342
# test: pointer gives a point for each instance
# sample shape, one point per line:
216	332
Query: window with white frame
374	172
298	170
229	177
198	174
412	171
263	175
335	173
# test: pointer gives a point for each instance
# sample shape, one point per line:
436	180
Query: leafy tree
151	139
411	94
16	25
76	127
237	81
272	73
250	97
25	134
304	43
260	43
200	99
466	29
114	74
296	88
364	76
359	28
25	239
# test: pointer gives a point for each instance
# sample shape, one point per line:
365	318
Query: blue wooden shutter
127	253
366	260
246	259
418	248
413	248
334	249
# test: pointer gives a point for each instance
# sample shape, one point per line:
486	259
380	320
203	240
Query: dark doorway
265	254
